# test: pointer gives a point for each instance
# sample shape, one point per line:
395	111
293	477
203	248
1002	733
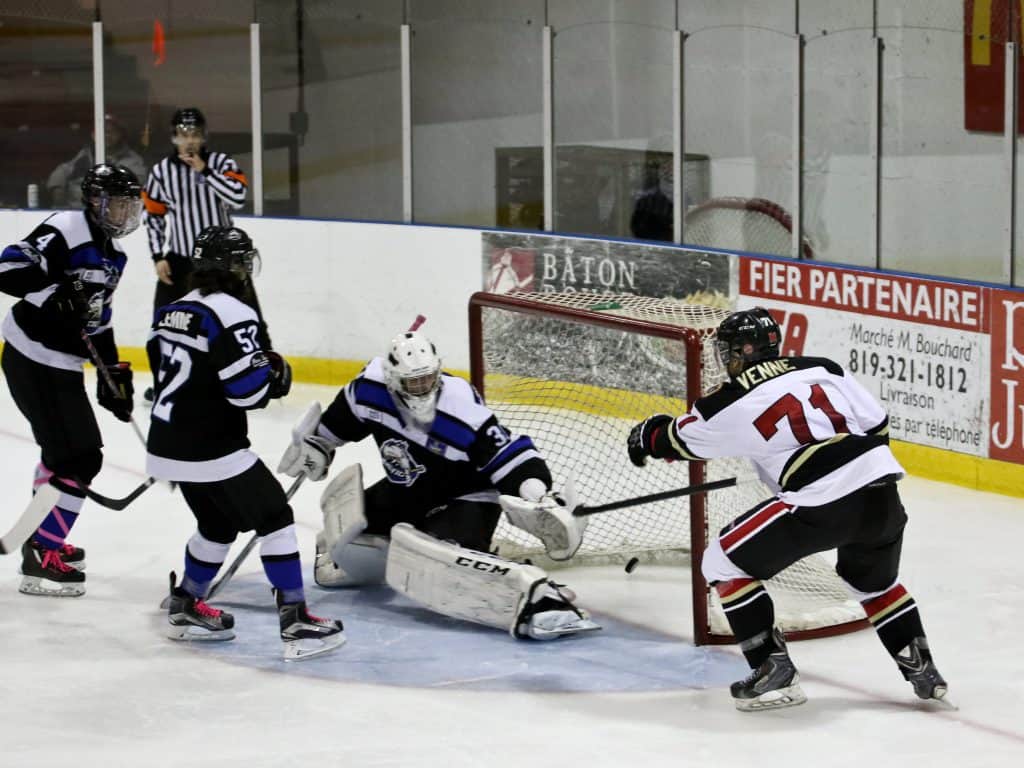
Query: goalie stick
44	499
583	510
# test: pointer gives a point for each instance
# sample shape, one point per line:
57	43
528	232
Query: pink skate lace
51	560
204	610
67	550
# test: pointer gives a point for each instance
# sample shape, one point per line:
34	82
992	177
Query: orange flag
159	44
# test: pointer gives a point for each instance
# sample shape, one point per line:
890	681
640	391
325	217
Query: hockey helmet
412	372
112	197
188	128
227	249
747	336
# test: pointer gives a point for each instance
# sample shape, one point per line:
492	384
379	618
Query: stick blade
42	502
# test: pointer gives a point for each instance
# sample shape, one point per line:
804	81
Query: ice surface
92	680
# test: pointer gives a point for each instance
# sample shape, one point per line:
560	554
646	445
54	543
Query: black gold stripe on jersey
815	461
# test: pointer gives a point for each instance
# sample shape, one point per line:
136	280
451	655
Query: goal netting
576	371
747	224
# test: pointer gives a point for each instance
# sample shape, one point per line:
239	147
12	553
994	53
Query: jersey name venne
762	372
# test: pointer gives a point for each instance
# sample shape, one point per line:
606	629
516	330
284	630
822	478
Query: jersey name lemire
763	371
177	320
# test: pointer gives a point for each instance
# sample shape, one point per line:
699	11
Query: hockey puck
632	564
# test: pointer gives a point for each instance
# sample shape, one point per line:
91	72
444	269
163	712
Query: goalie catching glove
547	516
308	453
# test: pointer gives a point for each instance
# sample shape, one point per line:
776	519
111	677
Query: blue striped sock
55	528
285	573
198	575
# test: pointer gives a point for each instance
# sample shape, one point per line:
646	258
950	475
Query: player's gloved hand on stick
118	401
312	457
69	305
640	442
280	375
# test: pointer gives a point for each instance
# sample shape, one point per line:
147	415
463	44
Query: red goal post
575	371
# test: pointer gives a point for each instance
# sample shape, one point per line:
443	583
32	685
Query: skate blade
784	697
940	700
310	647
190	632
35	585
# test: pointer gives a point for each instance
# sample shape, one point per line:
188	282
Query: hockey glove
69	305
550	519
640	443
312	457
118	402
280	375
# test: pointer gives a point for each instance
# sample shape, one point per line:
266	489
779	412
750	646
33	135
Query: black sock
895	617
751	615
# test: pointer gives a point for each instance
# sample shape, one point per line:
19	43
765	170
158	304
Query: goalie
426	528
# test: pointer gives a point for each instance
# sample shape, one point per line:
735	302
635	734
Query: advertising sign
920	346
549	264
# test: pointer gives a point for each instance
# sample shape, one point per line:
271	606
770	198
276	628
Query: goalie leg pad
473	586
343	510
358	564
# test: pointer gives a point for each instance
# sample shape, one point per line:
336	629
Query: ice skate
69	554
45	572
773	685
550	614
915	662
305	635
192	619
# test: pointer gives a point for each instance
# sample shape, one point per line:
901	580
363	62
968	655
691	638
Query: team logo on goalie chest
399	464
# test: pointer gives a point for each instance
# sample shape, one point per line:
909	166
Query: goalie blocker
442	576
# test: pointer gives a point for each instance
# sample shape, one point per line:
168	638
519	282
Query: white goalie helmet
412	372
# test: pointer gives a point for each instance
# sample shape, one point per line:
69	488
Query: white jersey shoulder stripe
72	226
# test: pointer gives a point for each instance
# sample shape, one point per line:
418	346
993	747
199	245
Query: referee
193	188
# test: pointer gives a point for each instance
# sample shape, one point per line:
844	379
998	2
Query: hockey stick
44	499
99	498
583	510
237	562
105	374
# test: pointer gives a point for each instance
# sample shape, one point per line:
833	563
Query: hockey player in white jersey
450	468
821	442
212	362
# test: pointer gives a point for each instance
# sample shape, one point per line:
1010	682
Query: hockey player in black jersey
821	442
426	528
64	274
211	364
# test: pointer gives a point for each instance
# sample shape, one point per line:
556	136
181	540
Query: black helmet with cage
188	130
224	258
188	119
746	337
112	197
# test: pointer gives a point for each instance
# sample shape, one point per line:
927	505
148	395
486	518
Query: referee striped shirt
192	201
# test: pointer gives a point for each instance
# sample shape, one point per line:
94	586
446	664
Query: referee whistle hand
163	271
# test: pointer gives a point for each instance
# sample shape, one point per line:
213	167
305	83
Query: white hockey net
549	370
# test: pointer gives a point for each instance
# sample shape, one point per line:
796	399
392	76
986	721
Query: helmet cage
117	215
413	376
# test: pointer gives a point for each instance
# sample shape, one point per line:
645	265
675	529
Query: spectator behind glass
65	182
